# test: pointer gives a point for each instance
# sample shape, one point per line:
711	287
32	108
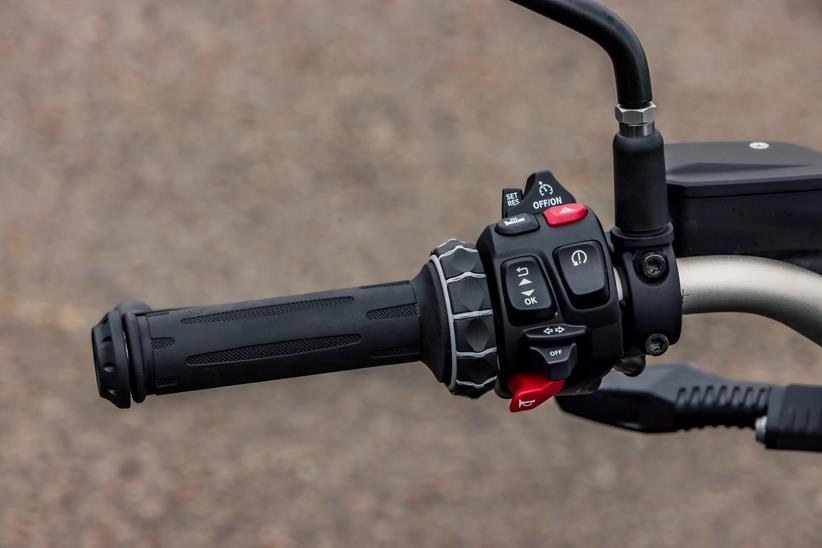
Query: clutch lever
673	397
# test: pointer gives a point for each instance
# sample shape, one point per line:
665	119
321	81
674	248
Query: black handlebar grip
177	350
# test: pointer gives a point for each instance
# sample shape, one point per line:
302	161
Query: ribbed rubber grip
209	346
671	397
794	419
720	402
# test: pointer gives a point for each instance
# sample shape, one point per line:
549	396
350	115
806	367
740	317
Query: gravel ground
200	152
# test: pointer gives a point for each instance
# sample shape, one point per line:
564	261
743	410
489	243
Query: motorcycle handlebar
732	283
139	351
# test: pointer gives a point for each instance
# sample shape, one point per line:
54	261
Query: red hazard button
564	214
530	390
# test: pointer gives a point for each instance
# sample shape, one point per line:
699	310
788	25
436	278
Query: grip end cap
112	366
111	360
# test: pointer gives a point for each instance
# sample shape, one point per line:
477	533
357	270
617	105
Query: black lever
642	229
604	27
672	397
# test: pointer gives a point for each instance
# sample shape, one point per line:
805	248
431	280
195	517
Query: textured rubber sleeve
194	348
671	397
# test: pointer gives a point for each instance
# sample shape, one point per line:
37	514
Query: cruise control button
518	224
557	362
554	333
542	190
565	214
511	197
527	296
582	267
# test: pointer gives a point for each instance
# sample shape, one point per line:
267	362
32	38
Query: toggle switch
557	361
530	390
526	291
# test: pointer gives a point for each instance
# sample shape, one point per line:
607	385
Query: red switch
530	390
565	214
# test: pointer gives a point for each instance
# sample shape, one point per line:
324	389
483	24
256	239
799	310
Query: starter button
582	267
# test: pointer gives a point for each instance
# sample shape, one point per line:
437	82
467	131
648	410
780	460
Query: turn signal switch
553	363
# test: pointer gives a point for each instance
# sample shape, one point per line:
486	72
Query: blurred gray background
200	152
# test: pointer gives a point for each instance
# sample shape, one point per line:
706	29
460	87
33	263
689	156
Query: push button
565	214
527	296
582	267
511	197
518	224
542	190
557	362
531	390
